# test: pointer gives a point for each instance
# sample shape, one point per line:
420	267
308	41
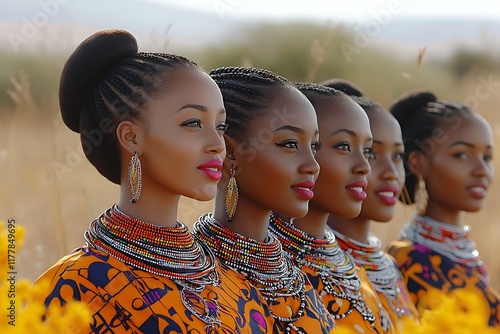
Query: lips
304	189
212	169
478	191
388	195
357	189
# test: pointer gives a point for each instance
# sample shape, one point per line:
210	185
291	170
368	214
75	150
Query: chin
298	211
347	212
204	194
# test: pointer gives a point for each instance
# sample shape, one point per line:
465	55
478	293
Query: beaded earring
135	177
421	196
231	198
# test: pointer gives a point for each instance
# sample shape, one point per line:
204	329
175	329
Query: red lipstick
388	195
357	189
212	169
304	189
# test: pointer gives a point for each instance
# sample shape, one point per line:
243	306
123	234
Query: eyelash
192	123
368	153
315	146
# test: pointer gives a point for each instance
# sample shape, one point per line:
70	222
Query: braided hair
420	114
319	95
106	81
246	92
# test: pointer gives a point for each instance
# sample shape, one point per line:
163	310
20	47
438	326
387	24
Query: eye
192	123
461	155
344	146
368	153
398	156
222	127
289	144
315	146
488	157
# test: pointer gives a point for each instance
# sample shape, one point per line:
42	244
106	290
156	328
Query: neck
356	228
444	215
313	223
250	220
154	206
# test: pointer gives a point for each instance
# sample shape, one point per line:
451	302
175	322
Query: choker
380	268
165	251
262	263
334	267
447	240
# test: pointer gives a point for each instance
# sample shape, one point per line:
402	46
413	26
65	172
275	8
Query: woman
153	124
385	183
346	143
271	141
449	150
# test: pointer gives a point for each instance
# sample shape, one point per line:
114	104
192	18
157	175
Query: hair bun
86	66
344	86
409	103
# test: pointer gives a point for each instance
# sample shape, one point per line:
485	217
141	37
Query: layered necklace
262	263
381	270
165	251
447	240
334	267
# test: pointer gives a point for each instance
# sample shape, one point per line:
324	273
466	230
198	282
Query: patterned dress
435	258
344	289
383	273
293	302
125	299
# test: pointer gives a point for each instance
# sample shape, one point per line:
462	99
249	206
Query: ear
418	163
130	136
231	145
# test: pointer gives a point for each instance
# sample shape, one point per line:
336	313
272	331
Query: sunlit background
385	47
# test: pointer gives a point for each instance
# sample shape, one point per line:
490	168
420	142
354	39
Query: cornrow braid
106	81
419	114
247	92
318	94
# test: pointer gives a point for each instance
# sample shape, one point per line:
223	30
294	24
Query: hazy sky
345	10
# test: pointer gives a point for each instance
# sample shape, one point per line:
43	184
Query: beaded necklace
262	263
165	251
447	240
334	267
381	270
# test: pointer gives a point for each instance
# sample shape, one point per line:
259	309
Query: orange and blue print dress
344	289
437	258
383	273
156	290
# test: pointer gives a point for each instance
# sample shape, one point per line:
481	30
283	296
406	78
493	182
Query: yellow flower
22	303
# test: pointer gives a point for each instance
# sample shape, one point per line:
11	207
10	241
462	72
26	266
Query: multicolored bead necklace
165	251
334	267
263	263
448	240
381	270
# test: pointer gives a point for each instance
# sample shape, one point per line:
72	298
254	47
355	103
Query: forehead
342	114
473	129
288	107
385	128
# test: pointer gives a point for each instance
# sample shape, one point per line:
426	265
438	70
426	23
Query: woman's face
276	168
346	143
387	170
459	170
184	146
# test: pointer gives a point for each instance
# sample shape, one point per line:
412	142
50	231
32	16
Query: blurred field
49	187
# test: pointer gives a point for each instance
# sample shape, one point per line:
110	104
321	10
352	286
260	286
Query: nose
215	142
309	164
483	168
390	171
361	165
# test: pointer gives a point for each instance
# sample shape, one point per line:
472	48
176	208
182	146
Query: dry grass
56	210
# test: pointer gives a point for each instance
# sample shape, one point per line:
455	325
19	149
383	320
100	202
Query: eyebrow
350	132
461	142
198	107
293	128
381	143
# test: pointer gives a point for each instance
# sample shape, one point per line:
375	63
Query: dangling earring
135	177
231	199
421	196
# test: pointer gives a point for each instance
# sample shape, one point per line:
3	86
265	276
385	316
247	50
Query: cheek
333	172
